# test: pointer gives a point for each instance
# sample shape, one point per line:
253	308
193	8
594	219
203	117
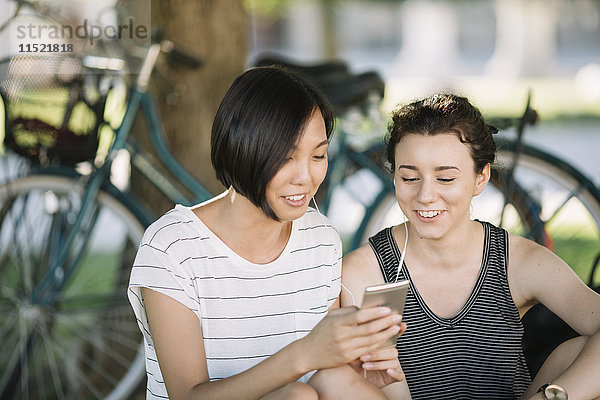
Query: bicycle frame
60	270
344	156
146	166
139	100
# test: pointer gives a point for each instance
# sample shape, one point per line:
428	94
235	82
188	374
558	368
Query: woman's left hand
381	365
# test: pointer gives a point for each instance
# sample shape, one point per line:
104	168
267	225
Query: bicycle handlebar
167	47
179	56
174	54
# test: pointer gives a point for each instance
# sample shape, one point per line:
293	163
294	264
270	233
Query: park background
493	51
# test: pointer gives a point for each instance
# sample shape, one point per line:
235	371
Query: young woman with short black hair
237	296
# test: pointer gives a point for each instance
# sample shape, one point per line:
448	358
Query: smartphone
392	295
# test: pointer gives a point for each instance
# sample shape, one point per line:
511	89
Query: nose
427	193
301	173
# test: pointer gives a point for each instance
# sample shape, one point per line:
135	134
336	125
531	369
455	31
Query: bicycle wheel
66	336
551	203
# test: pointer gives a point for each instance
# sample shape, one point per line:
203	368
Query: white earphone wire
401	256
324	223
401	263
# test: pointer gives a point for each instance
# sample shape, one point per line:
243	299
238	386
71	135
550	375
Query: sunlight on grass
553	97
577	244
1	125
579	253
97	274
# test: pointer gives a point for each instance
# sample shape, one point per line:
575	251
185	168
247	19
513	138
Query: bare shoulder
361	258
526	260
362	265
537	275
360	269
527	254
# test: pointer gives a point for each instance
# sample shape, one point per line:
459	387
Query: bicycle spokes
69	325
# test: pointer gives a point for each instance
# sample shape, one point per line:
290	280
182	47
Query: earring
232	193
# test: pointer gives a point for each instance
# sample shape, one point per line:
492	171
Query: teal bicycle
68	237
69	232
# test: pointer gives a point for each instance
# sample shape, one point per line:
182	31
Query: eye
320	157
409	179
446	180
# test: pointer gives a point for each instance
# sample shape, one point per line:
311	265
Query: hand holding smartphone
392	295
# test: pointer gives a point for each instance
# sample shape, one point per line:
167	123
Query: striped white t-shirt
247	311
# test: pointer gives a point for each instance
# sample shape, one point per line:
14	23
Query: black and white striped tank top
475	355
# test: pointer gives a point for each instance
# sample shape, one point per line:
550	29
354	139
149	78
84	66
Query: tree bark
188	99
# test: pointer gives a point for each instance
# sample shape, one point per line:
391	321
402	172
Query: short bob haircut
260	119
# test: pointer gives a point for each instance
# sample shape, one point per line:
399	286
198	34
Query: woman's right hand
345	334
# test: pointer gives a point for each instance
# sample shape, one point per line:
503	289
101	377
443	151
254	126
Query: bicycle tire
549	191
80	340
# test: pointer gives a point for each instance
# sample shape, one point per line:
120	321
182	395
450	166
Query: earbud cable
399	264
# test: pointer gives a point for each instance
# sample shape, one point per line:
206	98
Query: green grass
555	98
93	281
579	253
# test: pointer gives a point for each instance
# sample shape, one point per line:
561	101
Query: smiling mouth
296	197
428	214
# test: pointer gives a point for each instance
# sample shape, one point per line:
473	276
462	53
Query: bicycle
66	325
52	252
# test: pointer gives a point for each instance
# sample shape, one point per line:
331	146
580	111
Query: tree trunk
188	99
525	39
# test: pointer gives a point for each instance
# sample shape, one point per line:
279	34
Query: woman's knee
343	383
559	360
293	391
564	354
342	373
334	379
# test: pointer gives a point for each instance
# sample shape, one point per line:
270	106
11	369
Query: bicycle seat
320	72
343	88
354	91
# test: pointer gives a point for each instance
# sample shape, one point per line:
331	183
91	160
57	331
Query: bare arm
359	270
536	275
335	341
